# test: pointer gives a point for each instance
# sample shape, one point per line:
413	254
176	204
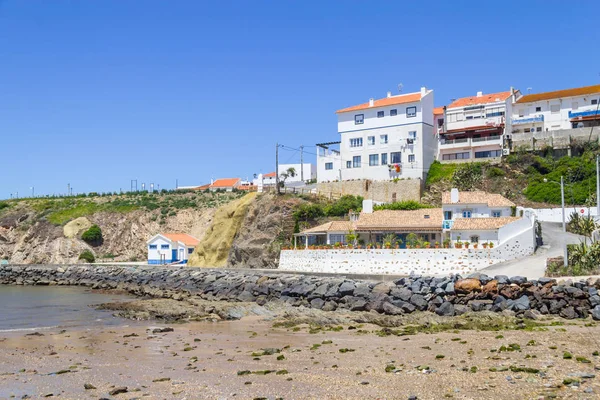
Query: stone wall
559	139
451	295
383	191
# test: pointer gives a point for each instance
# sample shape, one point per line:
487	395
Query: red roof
484	99
225	182
438	111
270	175
183	238
388	101
203	187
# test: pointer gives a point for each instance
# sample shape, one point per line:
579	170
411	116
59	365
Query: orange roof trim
388	101
530	98
438	111
484	99
184	238
269	175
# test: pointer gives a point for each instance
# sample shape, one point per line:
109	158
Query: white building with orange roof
227	184
382	139
556	110
170	248
474	127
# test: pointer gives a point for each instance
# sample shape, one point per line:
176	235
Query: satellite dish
400	86
529	90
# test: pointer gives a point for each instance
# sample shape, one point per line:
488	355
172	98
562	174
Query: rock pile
452	295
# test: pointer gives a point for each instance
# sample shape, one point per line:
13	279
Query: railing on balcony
455	141
485	139
447	224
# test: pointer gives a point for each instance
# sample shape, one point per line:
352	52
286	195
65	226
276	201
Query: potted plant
475	245
389	240
437	245
458	244
447	243
351	239
426	245
370	246
491	245
467	244
411	240
485	245
388	245
378	245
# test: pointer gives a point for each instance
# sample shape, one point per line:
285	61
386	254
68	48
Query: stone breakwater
453	295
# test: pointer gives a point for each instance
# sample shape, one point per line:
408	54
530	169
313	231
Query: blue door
174	255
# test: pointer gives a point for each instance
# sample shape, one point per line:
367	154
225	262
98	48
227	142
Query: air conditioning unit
505	151
410	141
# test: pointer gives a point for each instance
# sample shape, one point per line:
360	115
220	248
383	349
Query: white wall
397	129
456	118
555	214
325	156
154	255
310	171
477	210
551	121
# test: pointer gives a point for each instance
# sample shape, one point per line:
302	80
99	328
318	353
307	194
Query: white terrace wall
382	191
555	214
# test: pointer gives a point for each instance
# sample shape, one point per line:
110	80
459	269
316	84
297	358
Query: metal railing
455	141
486	138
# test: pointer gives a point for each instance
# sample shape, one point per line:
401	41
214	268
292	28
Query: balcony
447	224
530	120
470	142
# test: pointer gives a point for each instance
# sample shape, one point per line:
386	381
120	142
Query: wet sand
215	360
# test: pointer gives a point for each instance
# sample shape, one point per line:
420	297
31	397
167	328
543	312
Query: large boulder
73	228
596	313
468	285
401	293
446	309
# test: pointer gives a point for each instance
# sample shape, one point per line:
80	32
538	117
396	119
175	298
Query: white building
558	110
304	172
382	139
474	127
168	248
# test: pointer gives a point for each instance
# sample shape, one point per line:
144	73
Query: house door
174	255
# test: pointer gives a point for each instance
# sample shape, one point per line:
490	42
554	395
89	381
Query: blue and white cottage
169	248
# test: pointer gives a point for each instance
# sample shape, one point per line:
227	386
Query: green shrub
439	172
87	256
3	205
308	211
495	172
342	206
93	235
401	205
466	176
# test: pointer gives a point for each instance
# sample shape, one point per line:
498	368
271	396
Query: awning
474	129
586	118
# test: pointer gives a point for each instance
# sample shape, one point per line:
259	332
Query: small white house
169	248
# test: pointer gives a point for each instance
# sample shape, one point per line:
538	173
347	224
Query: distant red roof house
529	98
270	175
225	183
203	187
483	99
388	101
184	238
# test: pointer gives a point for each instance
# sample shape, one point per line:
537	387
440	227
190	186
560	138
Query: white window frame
467	213
356	142
496	213
376	161
411	112
359	119
411	158
383	139
370	140
399	156
356	161
327	165
384	155
348	164
380	114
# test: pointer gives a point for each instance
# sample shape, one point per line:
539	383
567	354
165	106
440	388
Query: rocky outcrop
514	295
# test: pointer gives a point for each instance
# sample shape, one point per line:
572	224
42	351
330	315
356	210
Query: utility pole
277	167
32	191
302	163
68	188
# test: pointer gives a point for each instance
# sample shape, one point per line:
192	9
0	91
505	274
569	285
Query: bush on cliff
401	205
93	235
88	256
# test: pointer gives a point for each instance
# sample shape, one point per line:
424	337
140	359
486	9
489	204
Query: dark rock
362	290
596	313
480	305
357	304
391	309
437	301
88	386
446	309
118	390
162	330
532	314
418	301
518	280
317	303
246	297
330	306
544	309
460	309
346	288
449	288
502	279
401	293
521	304
545	281
568	312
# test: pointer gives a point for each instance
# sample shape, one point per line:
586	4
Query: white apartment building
558	110
474	127
382	139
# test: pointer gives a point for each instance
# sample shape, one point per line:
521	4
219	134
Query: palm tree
289	173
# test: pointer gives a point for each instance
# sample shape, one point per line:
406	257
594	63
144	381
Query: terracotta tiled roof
438	111
183	238
530	98
387	101
481	224
270	175
414	220
203	187
484	99
225	182
478	197
333	226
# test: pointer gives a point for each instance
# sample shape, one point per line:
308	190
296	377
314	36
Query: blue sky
96	93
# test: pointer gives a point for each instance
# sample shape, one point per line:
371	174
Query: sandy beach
283	358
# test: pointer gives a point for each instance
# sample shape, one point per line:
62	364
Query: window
164	246
575	105
447	215
474	239
348	164
393	112
411	158
356	142
383	158
594	101
396	157
152	247
555	108
371	140
356	162
469	117
383	139
411	112
538	129
380	114
359	119
329	166
527	130
457	156
337	238
373	160
538	109
488	154
466	213
496	213
412	135
521	112
190	250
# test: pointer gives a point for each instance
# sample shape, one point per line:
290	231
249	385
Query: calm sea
24	308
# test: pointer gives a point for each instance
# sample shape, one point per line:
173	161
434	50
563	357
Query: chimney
371	102
367	206
479	94
512	95
212	181
454	196
423	91
389	94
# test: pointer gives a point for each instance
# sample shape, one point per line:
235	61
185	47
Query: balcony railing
464	142
485	139
455	141
447	224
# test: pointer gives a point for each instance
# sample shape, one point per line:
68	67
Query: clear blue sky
95	93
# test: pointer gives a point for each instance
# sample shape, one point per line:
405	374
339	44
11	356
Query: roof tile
530	98
484	99
482	224
479	197
399	220
225	182
387	101
184	238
